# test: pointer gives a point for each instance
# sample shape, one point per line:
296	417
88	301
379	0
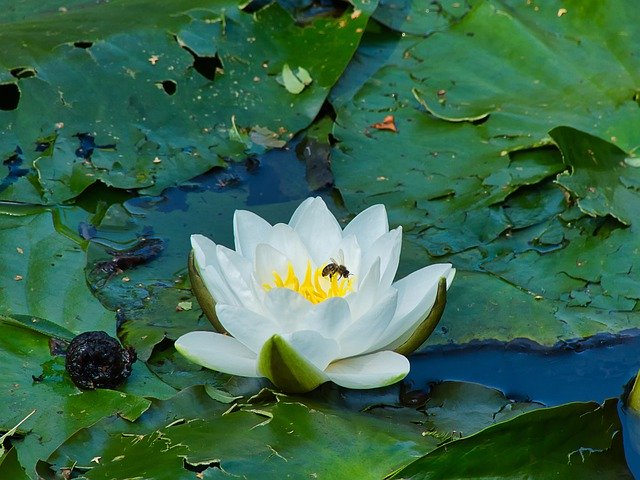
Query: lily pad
140	96
281	436
589	445
469	172
44	272
34	379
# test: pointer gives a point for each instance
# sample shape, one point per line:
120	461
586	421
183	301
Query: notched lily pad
600	176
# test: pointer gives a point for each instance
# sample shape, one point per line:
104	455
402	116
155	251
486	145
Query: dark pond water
586	370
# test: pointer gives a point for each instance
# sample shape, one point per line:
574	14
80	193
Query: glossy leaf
589	445
33	379
138	95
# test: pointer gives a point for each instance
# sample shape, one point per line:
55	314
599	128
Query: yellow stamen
314	287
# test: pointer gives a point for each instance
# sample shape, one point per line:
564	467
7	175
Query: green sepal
428	325
205	300
633	402
286	368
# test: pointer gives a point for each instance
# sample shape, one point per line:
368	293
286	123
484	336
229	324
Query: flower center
314	287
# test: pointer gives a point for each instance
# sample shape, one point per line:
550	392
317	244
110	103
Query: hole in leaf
83	44
208	67
23	72
169	86
9	96
327	110
199	467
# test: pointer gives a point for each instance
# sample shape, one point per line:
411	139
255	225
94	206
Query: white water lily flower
281	318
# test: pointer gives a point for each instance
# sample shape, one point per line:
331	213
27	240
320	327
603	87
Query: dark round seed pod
96	360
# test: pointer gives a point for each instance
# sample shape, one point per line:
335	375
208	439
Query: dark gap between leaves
199	467
23	72
82	44
9	96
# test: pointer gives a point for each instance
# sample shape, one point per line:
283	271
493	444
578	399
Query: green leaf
36	380
416	18
10	467
44	274
141	96
577	440
601	180
469	173
295	437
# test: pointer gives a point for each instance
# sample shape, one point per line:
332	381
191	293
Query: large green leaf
35	380
468	172
577	440
141	95
311	435
43	263
270	441
10	467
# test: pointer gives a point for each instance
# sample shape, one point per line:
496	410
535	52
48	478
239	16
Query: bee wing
340	260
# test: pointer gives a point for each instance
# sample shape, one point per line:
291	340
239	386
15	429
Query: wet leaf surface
469	175
284	434
589	445
33	379
43	260
149	103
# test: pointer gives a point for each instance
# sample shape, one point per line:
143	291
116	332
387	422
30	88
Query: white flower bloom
282	319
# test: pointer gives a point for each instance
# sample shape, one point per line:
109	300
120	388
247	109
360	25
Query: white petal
300	211
218	352
294	313
206	259
237	272
284	239
204	250
318	350
329	317
267	261
416	296
217	285
369	371
368	225
249	230
288	308
387	247
249	328
366	295
364	332
319	231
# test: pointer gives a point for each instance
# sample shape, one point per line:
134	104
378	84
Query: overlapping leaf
468	172
139	96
